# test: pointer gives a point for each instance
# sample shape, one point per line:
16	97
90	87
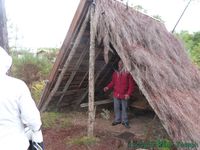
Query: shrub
30	68
36	90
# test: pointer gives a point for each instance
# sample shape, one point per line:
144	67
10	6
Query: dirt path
139	123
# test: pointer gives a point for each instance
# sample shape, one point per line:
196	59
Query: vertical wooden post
91	110
3	26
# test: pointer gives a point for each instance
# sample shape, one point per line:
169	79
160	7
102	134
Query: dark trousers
120	109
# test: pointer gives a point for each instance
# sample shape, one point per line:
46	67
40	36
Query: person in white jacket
17	111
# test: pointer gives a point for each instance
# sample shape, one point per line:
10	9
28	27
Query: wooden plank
106	101
69	92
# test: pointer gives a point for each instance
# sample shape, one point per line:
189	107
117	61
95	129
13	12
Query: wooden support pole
91	109
66	65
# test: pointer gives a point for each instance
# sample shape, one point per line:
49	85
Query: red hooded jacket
122	84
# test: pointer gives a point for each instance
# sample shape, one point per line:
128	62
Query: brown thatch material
156	59
158	63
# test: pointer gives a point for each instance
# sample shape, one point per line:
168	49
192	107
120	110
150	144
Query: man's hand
105	89
37	137
127	97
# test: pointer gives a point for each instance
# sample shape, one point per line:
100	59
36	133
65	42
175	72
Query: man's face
120	65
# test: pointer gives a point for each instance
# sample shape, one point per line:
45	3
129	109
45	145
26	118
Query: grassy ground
65	131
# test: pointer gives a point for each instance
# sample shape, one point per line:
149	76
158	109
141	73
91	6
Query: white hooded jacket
16	104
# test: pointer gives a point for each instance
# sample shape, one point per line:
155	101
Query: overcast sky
44	23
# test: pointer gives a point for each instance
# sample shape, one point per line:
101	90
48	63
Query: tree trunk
91	117
3	27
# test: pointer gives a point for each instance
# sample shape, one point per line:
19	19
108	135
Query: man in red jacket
123	85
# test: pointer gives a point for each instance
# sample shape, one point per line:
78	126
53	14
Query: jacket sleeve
29	112
112	83
131	85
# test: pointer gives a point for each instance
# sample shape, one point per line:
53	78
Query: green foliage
84	140
55	120
49	53
187	39
196	38
105	114
36	90
164	144
30	68
27	58
192	43
195	54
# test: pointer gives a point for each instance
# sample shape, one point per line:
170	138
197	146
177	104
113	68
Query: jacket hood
5	61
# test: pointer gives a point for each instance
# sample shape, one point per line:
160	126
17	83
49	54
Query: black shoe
115	123
126	124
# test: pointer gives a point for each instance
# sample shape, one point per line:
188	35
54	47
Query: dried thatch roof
156	59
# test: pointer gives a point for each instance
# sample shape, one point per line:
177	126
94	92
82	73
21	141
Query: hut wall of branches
159	64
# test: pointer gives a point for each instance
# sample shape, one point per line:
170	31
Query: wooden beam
106	101
91	109
70	92
71	54
84	52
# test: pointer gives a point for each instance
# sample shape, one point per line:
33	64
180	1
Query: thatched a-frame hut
156	59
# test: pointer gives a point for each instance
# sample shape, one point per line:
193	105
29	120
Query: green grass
55	120
84	140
